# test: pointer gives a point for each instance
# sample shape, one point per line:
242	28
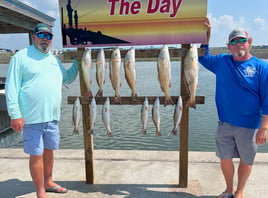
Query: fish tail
174	131
117	94
134	95
90	131
117	97
89	93
109	133
168	100
99	93
75	131
191	103
143	131
158	133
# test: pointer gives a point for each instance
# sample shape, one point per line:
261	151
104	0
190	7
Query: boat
4	117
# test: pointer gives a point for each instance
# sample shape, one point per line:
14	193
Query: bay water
126	119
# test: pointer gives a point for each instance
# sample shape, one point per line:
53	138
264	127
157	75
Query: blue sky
224	15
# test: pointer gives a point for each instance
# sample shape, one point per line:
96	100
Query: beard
241	53
44	47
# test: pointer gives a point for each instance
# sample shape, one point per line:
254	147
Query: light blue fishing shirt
241	88
34	85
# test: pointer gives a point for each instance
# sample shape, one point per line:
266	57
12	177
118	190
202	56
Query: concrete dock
128	174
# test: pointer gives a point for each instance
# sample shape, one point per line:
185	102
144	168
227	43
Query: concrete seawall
130	174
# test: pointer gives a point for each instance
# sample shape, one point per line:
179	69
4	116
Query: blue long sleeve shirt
241	88
33	85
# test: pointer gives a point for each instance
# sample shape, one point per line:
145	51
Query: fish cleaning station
185	27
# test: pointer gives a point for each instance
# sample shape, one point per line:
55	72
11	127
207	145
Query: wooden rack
140	55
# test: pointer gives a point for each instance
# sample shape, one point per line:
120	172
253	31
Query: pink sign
88	23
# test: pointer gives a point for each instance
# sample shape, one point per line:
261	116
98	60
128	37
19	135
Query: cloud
50	7
260	22
223	25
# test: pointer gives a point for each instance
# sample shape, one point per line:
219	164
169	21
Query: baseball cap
41	27
239	32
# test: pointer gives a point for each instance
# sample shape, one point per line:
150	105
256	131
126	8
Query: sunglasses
235	41
43	36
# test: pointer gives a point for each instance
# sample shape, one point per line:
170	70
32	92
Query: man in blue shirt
33	94
242	106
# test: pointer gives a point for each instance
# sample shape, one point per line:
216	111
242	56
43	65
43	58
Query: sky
224	15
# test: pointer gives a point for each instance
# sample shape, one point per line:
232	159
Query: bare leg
244	171
227	168
48	168
36	170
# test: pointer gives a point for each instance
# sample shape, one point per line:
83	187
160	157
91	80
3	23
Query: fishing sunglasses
235	41
42	36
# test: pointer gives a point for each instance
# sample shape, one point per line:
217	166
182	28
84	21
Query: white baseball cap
238	33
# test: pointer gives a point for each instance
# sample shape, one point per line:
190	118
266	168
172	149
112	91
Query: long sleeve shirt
241	88
34	83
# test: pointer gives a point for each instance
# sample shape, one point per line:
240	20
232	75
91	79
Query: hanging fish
156	116
130	71
92	115
164	73
177	115
144	115
106	117
191	68
76	115
86	64
115	66
100	71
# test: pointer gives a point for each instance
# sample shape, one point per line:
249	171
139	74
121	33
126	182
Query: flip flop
226	195
55	189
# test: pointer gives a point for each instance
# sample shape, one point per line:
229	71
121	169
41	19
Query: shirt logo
250	71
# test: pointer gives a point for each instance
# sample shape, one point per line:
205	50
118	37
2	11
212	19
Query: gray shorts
236	142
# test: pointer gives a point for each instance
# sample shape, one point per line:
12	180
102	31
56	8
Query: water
125	119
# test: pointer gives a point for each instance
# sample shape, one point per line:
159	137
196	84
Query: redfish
164	73
191	68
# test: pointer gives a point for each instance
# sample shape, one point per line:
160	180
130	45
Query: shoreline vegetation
150	53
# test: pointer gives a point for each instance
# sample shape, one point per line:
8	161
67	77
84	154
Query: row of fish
144	115
191	68
115	68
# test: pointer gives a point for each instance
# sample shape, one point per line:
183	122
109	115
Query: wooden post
88	138
184	131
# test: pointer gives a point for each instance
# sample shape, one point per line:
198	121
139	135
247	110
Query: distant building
2	50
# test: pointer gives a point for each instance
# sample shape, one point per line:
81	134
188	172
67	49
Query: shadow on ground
16	188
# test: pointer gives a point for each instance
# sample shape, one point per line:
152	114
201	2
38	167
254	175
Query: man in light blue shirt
33	94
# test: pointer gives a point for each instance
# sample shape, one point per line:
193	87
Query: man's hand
261	136
208	28
17	124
